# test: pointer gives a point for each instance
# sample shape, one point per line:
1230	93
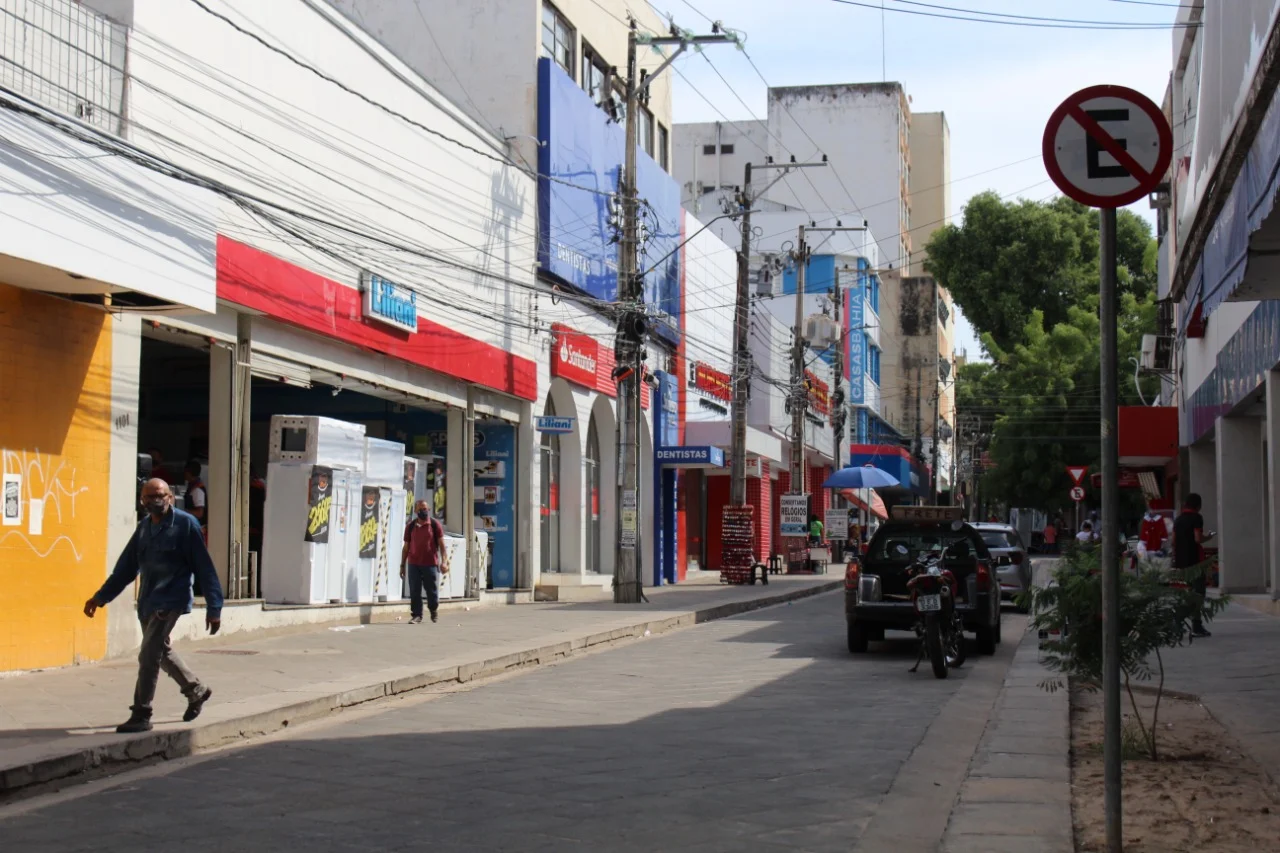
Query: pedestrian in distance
1188	534
167	550
815	530
1050	537
423	560
1085	537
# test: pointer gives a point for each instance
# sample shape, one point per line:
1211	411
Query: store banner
707	380
856	344
319	504
369	513
793	515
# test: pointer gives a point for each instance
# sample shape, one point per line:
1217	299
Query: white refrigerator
311	520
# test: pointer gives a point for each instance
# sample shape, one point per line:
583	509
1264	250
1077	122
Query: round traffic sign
1077	493
1107	146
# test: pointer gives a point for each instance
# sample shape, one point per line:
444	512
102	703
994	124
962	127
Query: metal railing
66	56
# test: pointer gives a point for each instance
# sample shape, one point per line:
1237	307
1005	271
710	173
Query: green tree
1010	257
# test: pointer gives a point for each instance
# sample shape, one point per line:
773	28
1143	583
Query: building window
726	149
874	291
644	131
557	38
664	148
708	150
873	363
595	74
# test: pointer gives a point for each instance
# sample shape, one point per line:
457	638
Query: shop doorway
550	496
591	476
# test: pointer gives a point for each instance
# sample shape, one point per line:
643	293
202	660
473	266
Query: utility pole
628	584
937	414
837	402
799	396
799	391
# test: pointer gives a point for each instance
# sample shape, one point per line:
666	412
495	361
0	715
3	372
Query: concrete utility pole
799	396
799	391
741	325
628	585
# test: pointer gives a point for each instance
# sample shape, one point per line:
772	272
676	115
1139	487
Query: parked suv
1013	565
876	594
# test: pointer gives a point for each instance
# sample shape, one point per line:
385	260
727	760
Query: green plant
1157	607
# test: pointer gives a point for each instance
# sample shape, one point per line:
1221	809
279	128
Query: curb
93	762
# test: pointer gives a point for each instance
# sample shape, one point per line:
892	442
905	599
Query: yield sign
1107	146
1077	473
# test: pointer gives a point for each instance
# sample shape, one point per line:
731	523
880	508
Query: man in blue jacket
168	551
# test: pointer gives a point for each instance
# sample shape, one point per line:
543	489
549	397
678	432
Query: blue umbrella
866	477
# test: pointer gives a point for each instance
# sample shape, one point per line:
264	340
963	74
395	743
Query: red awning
877	507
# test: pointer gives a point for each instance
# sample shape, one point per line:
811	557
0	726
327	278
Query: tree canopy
1010	257
1026	275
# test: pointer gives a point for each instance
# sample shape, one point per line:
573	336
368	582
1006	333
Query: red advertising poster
819	394
711	381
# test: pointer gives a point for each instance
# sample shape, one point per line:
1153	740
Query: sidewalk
1017	796
1236	674
61	723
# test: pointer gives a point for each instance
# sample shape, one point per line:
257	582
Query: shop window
557	38
591	477
550	510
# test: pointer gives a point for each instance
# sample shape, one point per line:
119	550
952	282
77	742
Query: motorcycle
941	632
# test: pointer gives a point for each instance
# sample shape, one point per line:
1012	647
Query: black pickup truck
876	597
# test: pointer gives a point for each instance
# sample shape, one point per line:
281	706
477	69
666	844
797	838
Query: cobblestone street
757	732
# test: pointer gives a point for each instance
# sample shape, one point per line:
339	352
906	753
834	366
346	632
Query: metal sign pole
1110	536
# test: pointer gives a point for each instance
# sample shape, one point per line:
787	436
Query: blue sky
996	84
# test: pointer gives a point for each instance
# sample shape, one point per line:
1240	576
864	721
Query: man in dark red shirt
424	557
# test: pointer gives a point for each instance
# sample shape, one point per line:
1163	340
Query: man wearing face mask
424	557
168	551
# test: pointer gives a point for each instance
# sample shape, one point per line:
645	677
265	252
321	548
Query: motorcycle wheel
933	646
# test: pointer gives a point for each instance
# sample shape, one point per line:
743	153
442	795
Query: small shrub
1156	611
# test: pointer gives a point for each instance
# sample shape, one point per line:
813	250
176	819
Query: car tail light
983	577
851	577
1016	558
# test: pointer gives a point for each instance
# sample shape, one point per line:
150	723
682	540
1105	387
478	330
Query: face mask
155	506
422	514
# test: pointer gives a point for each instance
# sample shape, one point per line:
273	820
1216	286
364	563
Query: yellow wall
55	432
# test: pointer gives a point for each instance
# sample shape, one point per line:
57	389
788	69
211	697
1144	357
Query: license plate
929	602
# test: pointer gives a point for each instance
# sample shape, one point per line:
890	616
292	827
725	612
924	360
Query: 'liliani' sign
388	302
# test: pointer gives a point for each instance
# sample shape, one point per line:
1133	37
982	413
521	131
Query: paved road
754	733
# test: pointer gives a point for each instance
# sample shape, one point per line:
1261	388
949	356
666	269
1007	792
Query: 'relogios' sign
709	381
579	165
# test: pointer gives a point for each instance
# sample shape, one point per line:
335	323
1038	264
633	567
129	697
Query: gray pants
156	654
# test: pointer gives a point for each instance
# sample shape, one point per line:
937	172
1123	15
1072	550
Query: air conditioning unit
1157	353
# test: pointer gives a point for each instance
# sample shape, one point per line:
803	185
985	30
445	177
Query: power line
1037	23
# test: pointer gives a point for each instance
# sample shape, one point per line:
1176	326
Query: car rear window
917	542
1000	539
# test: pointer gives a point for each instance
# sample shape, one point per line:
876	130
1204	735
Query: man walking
168	551
1188	533
424	557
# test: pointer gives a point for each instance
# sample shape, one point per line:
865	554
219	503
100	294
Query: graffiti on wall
37	486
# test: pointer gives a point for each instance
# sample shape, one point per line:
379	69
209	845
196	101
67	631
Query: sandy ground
1203	795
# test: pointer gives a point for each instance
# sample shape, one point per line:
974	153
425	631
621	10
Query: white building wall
710	279
483	55
863	129
705	177
213	100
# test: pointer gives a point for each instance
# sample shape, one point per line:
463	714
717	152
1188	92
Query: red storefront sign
710	381
574	356
286	292
581	359
819	394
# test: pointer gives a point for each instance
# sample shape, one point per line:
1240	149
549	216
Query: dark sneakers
434	617
1200	632
196	705
138	722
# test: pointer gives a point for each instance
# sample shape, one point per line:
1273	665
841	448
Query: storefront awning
875	506
696	456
